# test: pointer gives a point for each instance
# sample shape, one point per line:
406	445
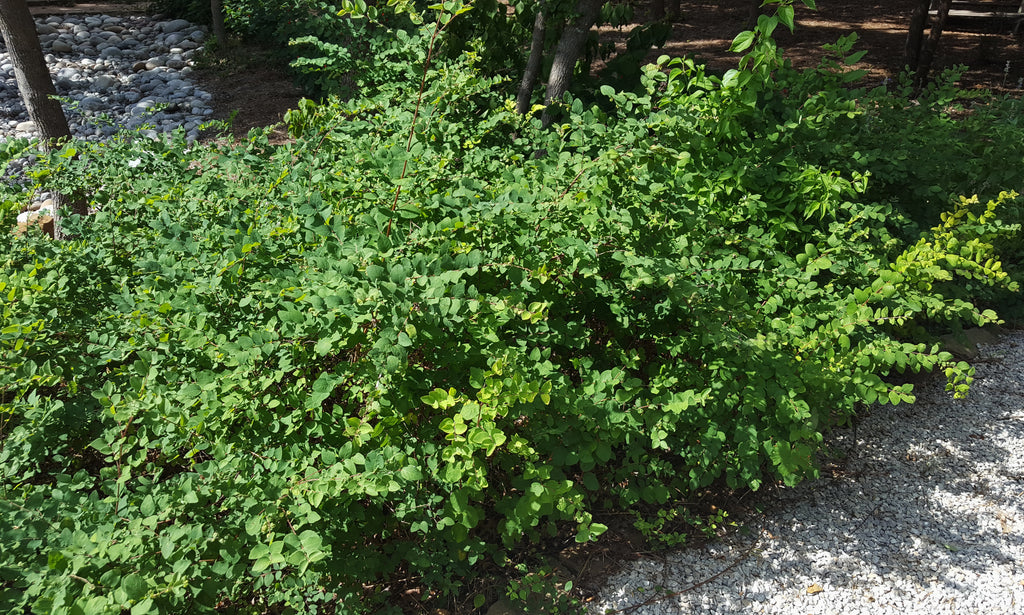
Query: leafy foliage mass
427	330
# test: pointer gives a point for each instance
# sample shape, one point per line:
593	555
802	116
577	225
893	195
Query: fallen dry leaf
815	589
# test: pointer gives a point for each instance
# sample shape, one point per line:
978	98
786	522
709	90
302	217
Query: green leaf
411	473
254	526
143	608
374	272
134	586
311	541
743	41
786	13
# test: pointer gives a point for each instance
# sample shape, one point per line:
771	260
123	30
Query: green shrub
282	377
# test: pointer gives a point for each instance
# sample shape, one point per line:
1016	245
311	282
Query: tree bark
19	33
36	87
915	35
217	18
928	52
567	52
533	62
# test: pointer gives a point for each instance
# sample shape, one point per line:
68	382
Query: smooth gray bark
217	15
19	33
567	52
665	9
533	62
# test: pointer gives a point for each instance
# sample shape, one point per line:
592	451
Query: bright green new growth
260	380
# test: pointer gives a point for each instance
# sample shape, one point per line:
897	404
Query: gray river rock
104	67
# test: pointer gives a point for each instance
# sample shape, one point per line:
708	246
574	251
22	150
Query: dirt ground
707	27
258	93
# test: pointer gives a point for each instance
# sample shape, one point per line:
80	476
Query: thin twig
438	27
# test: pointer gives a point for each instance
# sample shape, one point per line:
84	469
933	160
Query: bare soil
254	91
706	29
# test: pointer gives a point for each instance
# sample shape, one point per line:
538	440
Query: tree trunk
532	71
217	14
19	33
928	53
567	52
915	35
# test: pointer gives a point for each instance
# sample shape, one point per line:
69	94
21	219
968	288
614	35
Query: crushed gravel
926	517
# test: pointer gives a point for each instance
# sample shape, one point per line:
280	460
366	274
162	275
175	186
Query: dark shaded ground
246	83
708	27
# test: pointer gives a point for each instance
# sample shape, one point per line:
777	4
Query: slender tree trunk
533	62
928	53
217	14
915	35
665	9
567	52
36	87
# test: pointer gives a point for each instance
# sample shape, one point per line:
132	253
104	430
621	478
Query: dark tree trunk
928	52
567	52
533	63
19	33
217	14
915	35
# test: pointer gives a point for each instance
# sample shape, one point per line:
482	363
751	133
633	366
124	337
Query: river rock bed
114	72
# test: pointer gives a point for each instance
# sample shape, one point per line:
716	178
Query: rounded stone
175	25
104	83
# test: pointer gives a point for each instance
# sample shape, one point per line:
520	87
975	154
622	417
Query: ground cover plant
429	331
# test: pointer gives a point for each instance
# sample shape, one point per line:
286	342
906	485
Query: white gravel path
926	518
